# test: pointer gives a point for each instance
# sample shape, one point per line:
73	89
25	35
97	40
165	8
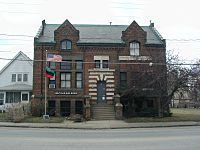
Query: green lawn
41	120
179	114
31	119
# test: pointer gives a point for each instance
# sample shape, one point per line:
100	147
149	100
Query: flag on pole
49	73
54	58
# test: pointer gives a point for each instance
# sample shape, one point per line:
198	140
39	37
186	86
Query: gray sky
176	20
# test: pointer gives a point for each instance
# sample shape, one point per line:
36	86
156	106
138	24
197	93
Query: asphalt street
173	138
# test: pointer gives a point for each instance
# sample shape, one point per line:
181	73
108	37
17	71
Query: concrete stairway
103	112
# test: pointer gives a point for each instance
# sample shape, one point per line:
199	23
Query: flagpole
45	116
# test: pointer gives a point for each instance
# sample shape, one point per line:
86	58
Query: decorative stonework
144	58
106	75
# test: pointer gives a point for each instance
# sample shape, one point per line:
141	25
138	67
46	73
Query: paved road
182	138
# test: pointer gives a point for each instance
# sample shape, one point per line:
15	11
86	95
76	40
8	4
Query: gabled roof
26	58
97	34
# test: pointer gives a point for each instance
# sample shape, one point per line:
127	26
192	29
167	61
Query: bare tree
159	81
195	83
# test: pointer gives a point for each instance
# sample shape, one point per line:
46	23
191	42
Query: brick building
99	62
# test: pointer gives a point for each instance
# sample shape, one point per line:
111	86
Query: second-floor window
52	65
105	64
66	45
79	78
65	80
66	65
134	48
97	64
101	63
25	77
14	77
79	65
52	82
19	77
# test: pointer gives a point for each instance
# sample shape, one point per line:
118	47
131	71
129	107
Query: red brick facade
116	54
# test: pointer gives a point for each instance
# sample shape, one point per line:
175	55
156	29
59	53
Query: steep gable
20	56
20	64
134	32
66	31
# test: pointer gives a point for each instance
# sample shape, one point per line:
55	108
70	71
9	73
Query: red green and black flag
49	73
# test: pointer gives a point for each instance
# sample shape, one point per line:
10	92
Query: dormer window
66	45
134	48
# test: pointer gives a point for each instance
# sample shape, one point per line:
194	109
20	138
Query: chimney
43	24
151	24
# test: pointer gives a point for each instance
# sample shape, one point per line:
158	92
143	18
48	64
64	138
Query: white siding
14	68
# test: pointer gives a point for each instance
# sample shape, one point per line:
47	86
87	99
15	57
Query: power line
14	40
126	7
19	12
117	63
20	35
30	36
17	3
126	3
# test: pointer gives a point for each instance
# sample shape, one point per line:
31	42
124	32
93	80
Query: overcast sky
176	20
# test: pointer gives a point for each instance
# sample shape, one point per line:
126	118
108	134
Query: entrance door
101	92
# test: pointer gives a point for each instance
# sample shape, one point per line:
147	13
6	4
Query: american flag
53	57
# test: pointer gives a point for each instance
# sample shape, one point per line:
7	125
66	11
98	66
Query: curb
93	126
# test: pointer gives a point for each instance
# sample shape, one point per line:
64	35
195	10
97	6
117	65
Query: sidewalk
103	124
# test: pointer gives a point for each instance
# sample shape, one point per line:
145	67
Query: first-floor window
79	78
2	97
79	107
13	97
25	96
123	80
65	80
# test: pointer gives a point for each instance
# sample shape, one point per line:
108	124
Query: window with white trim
134	48
101	62
2	98
66	45
19	77
52	82
24	96
14	77
79	64
79	80
65	80
25	77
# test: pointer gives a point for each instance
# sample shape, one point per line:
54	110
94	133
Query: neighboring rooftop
25	58
98	34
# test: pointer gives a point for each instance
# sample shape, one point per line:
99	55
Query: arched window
135	48
66	45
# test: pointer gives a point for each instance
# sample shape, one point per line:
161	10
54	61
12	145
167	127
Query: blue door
101	92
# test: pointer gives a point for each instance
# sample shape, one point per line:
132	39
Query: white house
16	80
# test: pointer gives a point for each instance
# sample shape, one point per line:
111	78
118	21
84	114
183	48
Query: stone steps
103	112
